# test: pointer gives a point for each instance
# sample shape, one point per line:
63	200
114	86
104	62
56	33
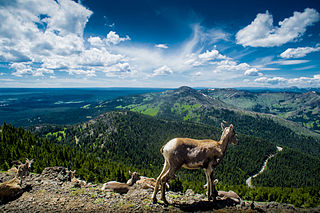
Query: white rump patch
171	145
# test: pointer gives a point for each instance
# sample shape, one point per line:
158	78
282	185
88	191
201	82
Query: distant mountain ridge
302	108
198	106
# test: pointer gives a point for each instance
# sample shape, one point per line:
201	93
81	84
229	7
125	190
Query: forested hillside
191	105
108	146
136	139
299	107
19	144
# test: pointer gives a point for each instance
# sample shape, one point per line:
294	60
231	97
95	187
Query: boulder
57	172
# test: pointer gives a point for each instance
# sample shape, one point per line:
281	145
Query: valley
126	133
300	107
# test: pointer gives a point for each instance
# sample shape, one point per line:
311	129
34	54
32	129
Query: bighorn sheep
194	154
13	171
75	180
222	195
144	182
10	189
116	187
23	170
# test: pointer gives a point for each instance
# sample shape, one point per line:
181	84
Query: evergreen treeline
253	125
290	168
136	139
19	144
188	104
111	163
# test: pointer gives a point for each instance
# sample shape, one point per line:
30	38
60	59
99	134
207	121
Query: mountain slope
115	130
302	108
136	139
191	105
19	144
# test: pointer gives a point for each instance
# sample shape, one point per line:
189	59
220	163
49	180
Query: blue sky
203	43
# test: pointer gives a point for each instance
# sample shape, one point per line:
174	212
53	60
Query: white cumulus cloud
114	38
252	72
164	70
298	52
262	33
211	55
313	81
163	46
43	37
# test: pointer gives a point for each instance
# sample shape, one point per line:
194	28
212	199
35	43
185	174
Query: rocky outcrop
60	173
52	191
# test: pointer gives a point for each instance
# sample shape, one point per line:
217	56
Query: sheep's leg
156	188
214	192
211	190
209	183
207	179
165	178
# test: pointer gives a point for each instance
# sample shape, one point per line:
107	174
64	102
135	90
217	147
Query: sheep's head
135	176
72	173
233	135
28	163
228	131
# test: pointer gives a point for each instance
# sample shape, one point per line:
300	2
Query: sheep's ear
222	126
130	173
31	161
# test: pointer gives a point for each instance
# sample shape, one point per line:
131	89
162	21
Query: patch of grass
128	205
77	192
146	207
127	107
86	106
187	110
58	134
147	109
174	196
99	200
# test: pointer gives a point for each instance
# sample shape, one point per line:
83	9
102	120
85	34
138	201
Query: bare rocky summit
52	191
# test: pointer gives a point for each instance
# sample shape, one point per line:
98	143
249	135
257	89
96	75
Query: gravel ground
51	193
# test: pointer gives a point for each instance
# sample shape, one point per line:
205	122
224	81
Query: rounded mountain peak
185	89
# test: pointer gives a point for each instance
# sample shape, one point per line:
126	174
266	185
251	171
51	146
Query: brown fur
229	195
144	182
116	187
193	154
75	180
10	189
23	170
13	171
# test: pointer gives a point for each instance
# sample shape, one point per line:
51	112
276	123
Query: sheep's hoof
165	202
154	200
212	198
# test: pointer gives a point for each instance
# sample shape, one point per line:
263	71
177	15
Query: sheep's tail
161	150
